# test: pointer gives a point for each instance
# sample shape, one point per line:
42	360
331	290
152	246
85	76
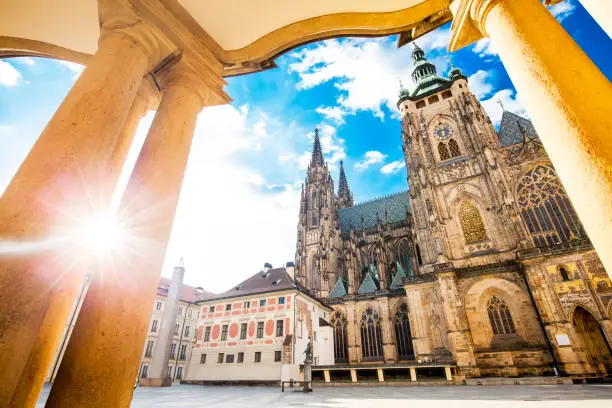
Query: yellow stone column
566	95
53	186
62	299
107	341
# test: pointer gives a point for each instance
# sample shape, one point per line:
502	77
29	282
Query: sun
101	234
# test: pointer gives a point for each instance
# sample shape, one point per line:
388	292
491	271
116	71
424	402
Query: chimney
290	267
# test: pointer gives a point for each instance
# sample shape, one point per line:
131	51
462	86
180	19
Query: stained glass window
545	208
454	148
371	335
338	321
403	336
471	223
500	317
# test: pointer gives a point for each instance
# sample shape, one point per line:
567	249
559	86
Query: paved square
551	396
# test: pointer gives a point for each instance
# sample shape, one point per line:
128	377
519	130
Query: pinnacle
317	153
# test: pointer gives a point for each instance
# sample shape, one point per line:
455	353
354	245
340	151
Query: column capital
206	87
468	25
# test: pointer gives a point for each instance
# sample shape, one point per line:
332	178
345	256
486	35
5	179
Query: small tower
345	197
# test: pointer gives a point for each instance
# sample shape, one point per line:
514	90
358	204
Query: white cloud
366	72
369	158
562	10
72	66
479	83
510	102
9	76
393	167
229	220
484	48
27	61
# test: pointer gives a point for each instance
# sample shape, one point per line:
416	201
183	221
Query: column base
155	382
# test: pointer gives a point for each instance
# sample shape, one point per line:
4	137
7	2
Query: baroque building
482	264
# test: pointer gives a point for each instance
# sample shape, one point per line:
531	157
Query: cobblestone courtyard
193	396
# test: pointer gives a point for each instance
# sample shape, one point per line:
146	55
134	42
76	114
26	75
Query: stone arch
340	323
403	333
589	309
524	318
370	329
590	333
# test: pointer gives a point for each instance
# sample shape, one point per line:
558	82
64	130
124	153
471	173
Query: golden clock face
443	131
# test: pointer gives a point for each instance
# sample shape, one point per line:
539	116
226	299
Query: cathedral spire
317	153
422	67
345	197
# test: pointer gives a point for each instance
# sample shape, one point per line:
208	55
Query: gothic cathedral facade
481	263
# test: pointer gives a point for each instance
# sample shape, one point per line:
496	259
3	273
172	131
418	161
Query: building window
172	351
314	219
220	358
471	223
338	322
224	332
262	302
228	307
446	94
278	356
158	306
183	352
418	254
443	151
186	331
169	372
453	148
202	358
207	334
281	300
546	209
189	313
279	328
258	356
403	336
176	329
260	330
179	373
246	304
180	310
154	326
149	349
564	274
433	99
420	104
243	331
500	317
314	336
371	335
229	358
212	309
240	357
144	372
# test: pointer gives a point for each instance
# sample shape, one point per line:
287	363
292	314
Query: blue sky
240	198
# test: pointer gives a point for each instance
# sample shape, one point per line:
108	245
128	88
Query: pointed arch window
313	272
453	148
564	274
545	208
314	220
500	316
403	336
339	323
443	151
371	335
403	255
418	254
471	223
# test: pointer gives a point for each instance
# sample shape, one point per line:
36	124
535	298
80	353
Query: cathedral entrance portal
593	340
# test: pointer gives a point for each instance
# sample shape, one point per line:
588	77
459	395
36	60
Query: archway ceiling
245	35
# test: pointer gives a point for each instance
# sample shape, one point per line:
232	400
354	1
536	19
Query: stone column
107	340
388	339
62	298
459	336
566	95
54	185
419	323
158	370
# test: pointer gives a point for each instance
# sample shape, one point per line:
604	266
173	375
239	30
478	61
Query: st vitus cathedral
481	263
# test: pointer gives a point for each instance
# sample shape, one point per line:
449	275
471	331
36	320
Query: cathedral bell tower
318	232
458	193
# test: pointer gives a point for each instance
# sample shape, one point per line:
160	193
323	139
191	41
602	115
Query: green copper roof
369	284
396	205
398	279
340	289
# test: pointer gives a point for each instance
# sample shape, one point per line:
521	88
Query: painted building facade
482	263
257	332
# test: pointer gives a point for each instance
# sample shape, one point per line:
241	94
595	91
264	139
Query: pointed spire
317	153
422	67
